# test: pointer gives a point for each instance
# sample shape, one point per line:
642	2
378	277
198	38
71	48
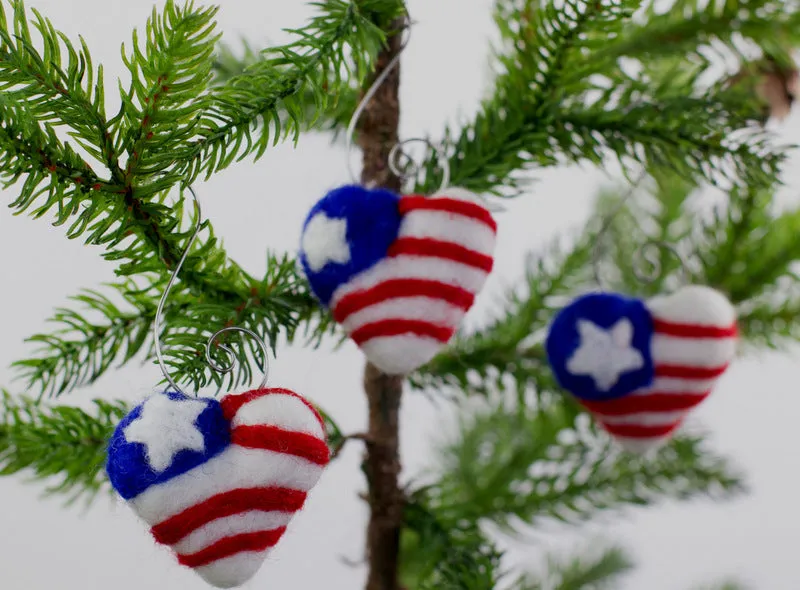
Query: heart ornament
640	367
219	481
399	273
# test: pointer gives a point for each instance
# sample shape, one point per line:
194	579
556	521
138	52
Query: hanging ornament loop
646	264
212	341
405	167
400	163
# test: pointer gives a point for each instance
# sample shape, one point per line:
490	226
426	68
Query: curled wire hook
648	252
160	311
409	168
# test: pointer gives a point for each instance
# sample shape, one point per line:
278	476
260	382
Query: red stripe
288	442
639	431
228	546
693	331
176	527
449	205
438	249
396	288
395	327
232	403
651	402
682	372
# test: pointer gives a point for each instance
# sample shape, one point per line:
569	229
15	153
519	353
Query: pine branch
595	572
440	554
517	467
62	93
559	98
747	247
82	350
269	95
170	75
542	65
334	118
113	328
699	29
58	441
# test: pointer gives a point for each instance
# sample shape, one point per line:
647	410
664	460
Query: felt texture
690	337
219	481
406	305
370	219
577	331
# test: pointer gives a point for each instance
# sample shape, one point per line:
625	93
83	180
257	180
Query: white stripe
237	524
694	304
413	267
281	410
233	571
673	385
448	227
399	355
430	310
692	352
235	467
644	418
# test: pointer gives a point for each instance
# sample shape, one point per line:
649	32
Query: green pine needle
518	467
62	444
583	572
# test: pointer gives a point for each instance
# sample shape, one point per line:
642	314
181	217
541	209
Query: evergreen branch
520	466
747	248
439	554
595	572
715	137
334	118
54	92
169	79
59	441
102	331
542	66
558	99
692	28
82	350
268	95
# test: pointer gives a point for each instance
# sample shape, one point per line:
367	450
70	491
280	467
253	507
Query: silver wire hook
641	255
404	172
160	311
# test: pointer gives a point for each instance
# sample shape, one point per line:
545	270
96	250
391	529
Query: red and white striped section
404	309
693	344
223	517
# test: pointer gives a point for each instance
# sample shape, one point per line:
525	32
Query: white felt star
605	354
165	427
325	240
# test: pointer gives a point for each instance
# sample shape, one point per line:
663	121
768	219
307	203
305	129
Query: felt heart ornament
399	273
219	481
640	367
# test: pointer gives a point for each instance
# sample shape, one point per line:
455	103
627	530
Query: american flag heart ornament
639	367
219	481
399	273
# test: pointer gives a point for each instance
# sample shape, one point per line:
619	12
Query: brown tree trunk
377	134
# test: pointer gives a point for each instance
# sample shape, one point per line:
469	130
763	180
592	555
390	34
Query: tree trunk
377	134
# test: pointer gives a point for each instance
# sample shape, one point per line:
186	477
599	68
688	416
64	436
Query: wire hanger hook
160	311
646	253
409	168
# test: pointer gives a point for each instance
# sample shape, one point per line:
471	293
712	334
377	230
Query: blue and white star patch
599	346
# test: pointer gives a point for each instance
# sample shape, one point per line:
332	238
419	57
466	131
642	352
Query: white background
752	415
